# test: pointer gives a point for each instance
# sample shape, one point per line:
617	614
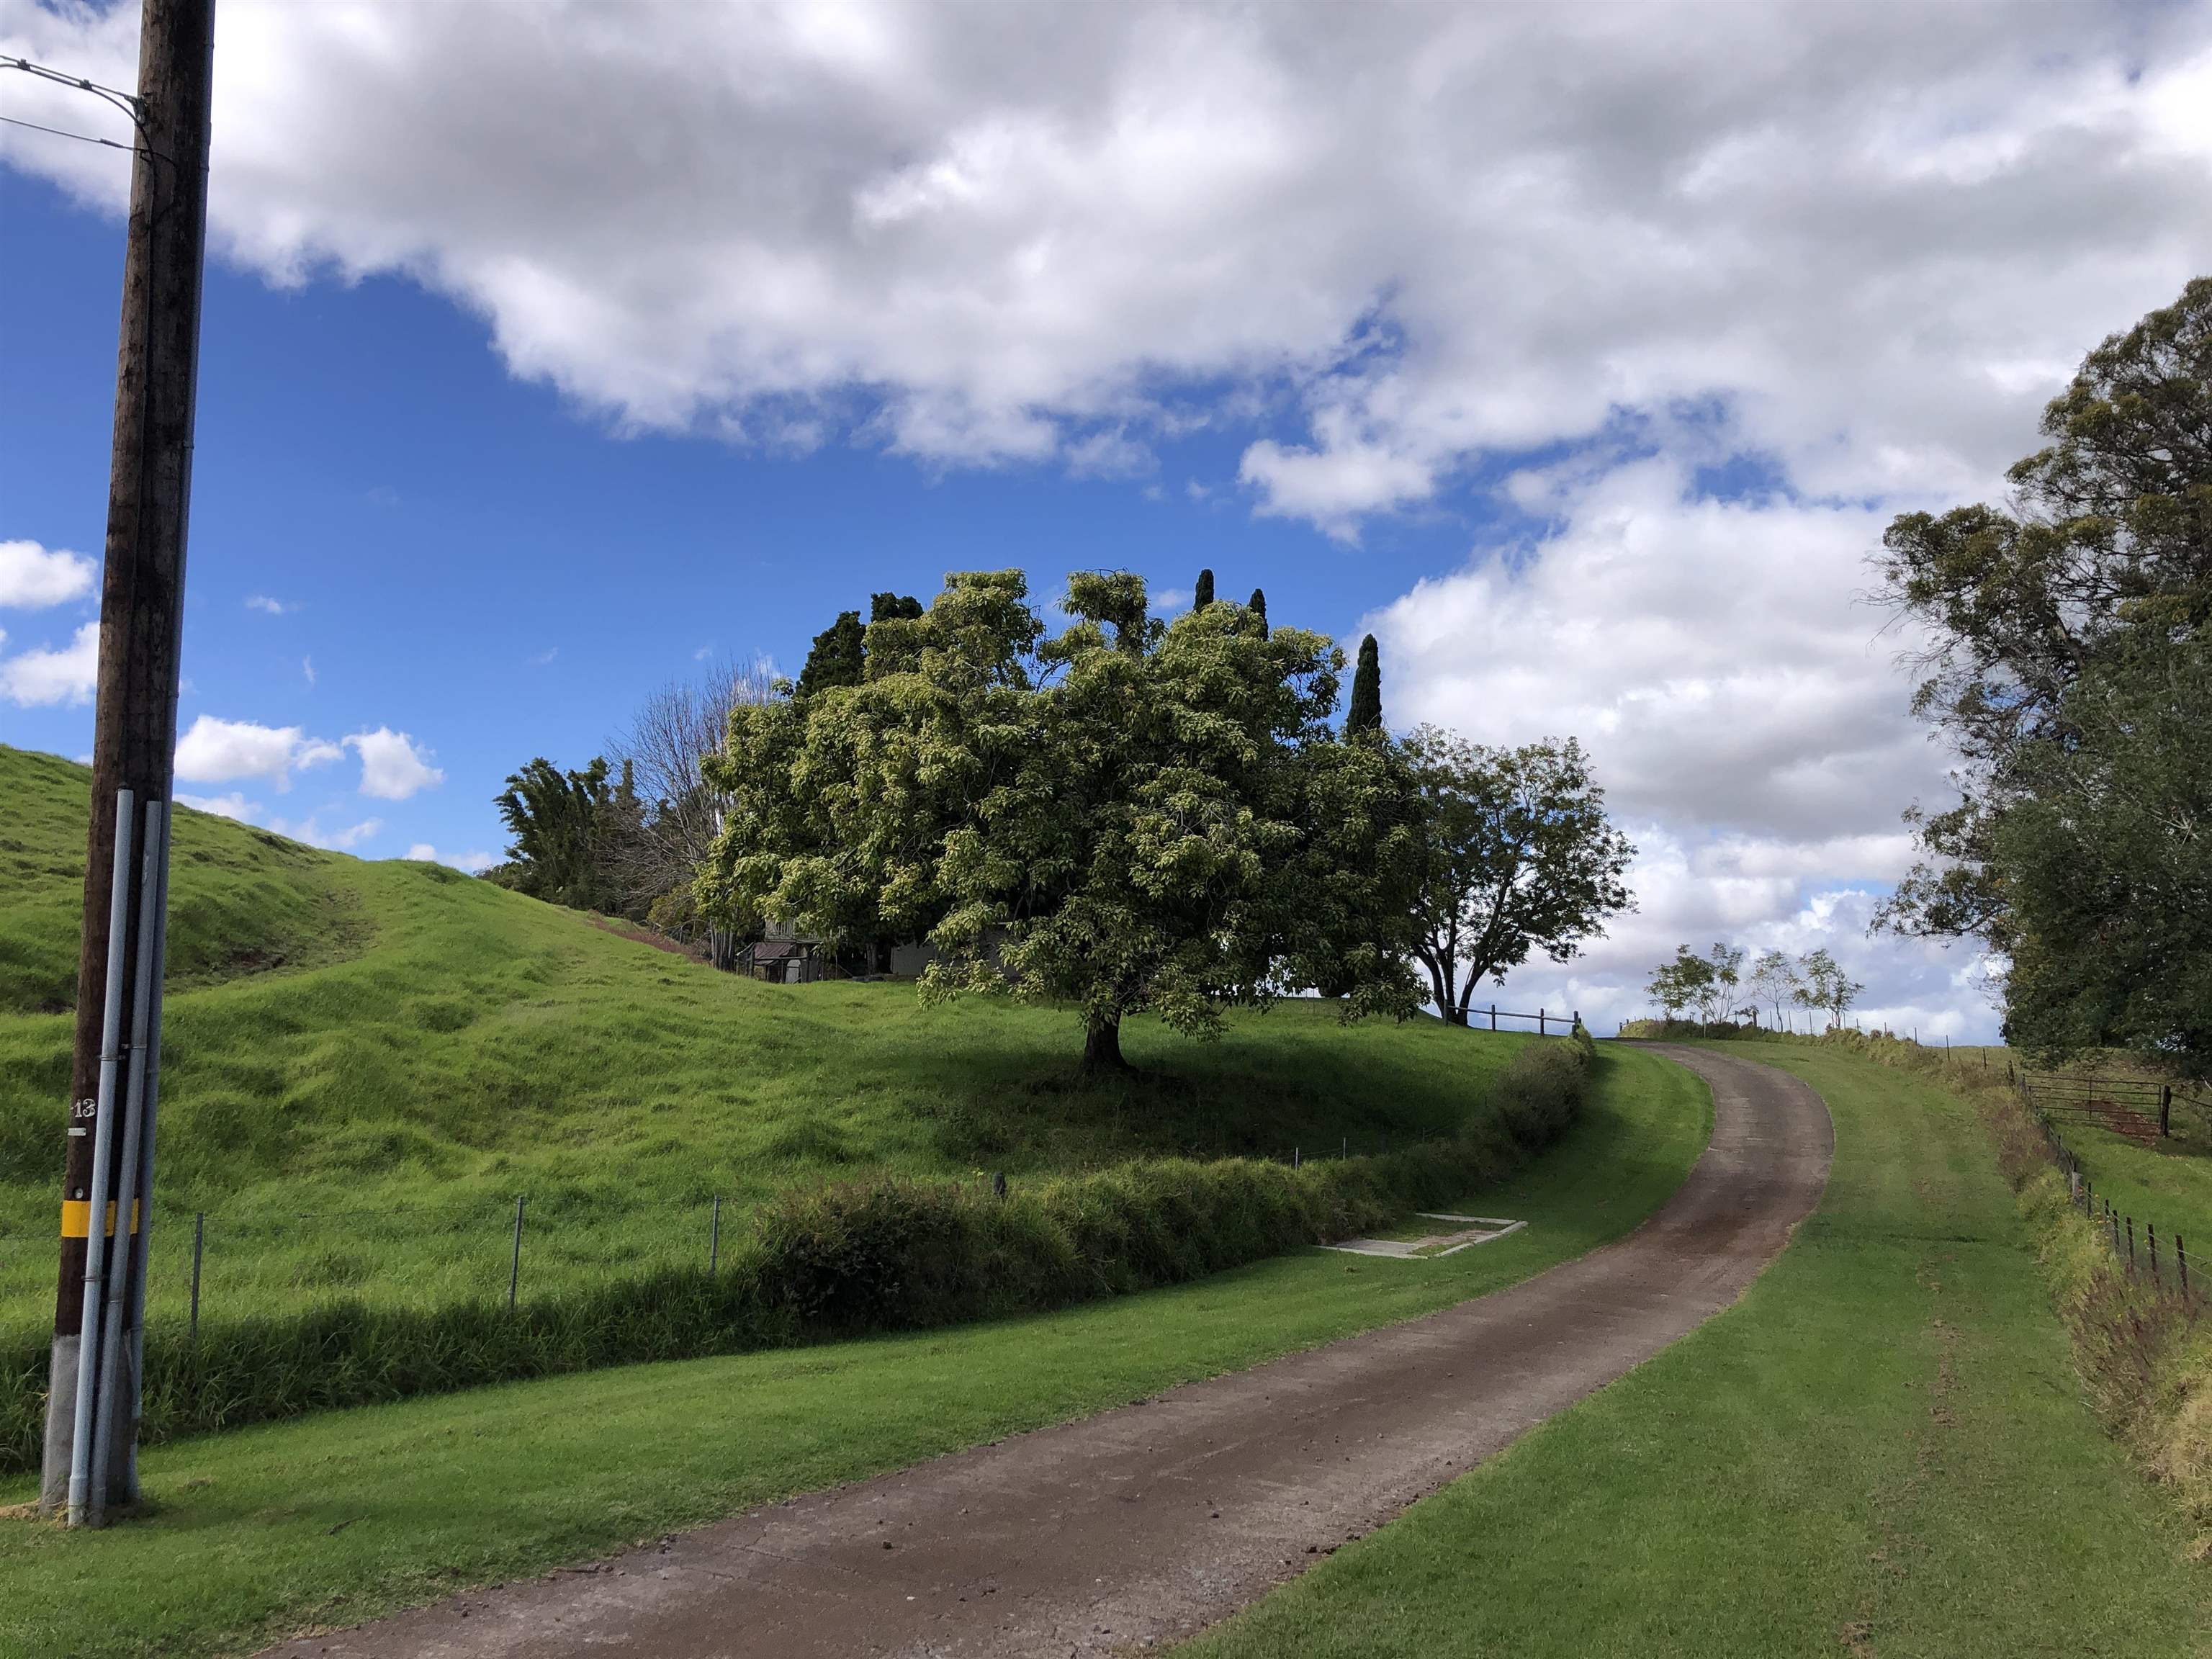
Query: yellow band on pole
76	1217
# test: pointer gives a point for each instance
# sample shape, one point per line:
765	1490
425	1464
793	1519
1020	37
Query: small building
784	956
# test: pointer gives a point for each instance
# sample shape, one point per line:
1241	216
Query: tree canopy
1125	816
2065	627
562	823
1517	856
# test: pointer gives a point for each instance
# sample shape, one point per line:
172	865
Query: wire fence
497	1248
2137	1246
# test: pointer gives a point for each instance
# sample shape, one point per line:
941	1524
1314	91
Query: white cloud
1740	707
231	805
273	607
214	750
46	676
1378	252
307	668
310	829
1417	235
391	767
473	862
33	577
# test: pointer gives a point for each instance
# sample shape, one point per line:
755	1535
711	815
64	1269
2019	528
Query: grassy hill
241	899
366	1063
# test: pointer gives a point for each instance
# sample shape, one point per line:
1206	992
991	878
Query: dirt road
1137	1527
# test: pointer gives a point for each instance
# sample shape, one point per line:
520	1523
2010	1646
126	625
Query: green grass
362	1126
335	1519
2168	1186
1881	1450
240	900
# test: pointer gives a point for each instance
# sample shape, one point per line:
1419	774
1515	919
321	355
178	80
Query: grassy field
2168	1186
362	1124
241	899
1881	1450
334	1519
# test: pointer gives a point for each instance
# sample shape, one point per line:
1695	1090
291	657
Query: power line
83	138
131	107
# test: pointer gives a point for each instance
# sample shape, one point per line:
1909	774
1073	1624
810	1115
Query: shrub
829	1261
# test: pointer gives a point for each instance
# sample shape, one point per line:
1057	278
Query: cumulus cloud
1740	703
1381	254
1417	235
214	750
392	767
310	829
33	577
473	862
47	675
231	805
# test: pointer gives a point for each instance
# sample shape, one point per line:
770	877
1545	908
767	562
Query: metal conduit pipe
113	1352
135	1284
103	1137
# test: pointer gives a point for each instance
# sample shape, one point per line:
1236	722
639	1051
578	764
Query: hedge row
835	1260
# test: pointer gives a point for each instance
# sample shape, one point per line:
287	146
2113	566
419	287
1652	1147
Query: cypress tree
1365	717
838	656
1202	596
894	607
1259	608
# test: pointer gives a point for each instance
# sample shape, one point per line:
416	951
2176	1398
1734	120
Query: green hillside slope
364	1125
241	899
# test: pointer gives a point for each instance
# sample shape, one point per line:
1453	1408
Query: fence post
1344	1149
2131	1243
2150	1232
998	1184
1539	1022
514	1268
199	1242
715	1238
1294	1157
1493	1015
2165	1111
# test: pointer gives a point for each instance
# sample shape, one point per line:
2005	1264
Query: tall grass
829	1260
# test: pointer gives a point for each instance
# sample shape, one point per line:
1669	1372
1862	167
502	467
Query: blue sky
479	562
549	348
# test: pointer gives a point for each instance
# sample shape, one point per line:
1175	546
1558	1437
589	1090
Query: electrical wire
125	101
83	138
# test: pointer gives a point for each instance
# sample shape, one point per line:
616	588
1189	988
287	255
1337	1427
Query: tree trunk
1102	1046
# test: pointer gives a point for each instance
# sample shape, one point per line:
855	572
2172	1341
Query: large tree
1126	816
2097	574
2107	858
563	824
1518	857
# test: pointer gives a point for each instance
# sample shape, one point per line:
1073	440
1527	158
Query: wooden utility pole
92	1407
